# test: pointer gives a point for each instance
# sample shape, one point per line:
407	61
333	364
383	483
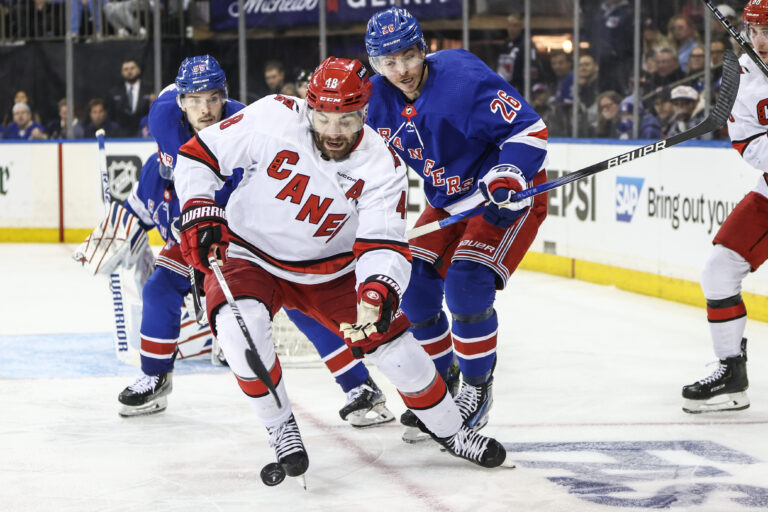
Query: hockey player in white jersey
741	244
318	224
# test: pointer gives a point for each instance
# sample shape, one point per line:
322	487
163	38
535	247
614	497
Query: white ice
587	400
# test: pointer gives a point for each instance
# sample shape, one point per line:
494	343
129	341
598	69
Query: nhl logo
123	171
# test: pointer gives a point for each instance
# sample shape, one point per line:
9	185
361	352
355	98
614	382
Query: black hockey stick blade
251	354
196	300
738	37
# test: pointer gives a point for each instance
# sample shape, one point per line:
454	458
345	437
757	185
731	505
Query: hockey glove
203	227
119	239
375	309
498	186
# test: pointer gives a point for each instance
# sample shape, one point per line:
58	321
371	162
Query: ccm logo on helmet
332	100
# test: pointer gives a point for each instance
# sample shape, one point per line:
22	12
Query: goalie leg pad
118	239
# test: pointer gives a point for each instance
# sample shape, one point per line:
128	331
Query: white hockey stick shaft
122	349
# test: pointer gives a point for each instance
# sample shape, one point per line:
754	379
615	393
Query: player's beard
335	147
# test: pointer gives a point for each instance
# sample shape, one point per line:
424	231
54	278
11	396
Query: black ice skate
475	403
414	430
147	395
724	390
474	447
366	406
290	451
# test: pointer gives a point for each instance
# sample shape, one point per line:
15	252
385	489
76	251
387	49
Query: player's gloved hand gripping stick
716	119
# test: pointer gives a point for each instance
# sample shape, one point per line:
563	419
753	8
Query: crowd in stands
671	80
672	83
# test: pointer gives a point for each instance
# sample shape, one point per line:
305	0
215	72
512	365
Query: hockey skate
289	448
366	406
474	447
414	430
724	390
475	403
147	395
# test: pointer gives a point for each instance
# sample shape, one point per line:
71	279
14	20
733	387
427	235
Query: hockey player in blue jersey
197	99
473	139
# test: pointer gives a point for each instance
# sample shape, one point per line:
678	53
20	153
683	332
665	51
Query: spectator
79	9
274	76
542	102
562	66
653	39
588	86
122	16
289	89
696	64
97	112
667	69
20	96
608	115
611	43
23	127
685	99
685	37
719	32
650	128
717	51
36	18
663	110
129	102
510	63
302	79
57	129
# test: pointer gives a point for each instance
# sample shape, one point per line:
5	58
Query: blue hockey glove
498	186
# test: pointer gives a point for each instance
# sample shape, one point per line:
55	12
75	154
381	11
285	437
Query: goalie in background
741	244
473	139
197	99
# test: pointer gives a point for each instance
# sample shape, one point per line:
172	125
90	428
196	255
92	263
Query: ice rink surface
587	402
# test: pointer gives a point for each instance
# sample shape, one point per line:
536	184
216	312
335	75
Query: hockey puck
272	474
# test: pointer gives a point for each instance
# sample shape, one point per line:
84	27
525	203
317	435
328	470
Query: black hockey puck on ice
272	474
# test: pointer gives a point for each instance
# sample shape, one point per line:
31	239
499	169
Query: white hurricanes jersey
748	123
297	215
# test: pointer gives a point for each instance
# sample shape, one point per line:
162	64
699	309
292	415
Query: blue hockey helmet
392	30
201	73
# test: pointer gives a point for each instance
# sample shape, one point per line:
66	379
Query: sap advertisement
655	214
275	13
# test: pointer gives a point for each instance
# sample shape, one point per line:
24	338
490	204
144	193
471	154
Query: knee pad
423	299
470	289
722	273
232	339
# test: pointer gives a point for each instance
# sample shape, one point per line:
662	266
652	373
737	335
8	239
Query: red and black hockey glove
376	306
203	226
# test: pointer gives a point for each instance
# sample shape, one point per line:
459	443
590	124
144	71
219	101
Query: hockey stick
717	118
251	355
738	37
115	280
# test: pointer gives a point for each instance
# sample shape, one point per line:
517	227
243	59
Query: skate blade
301	481
376	415
413	435
155	406
720	403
